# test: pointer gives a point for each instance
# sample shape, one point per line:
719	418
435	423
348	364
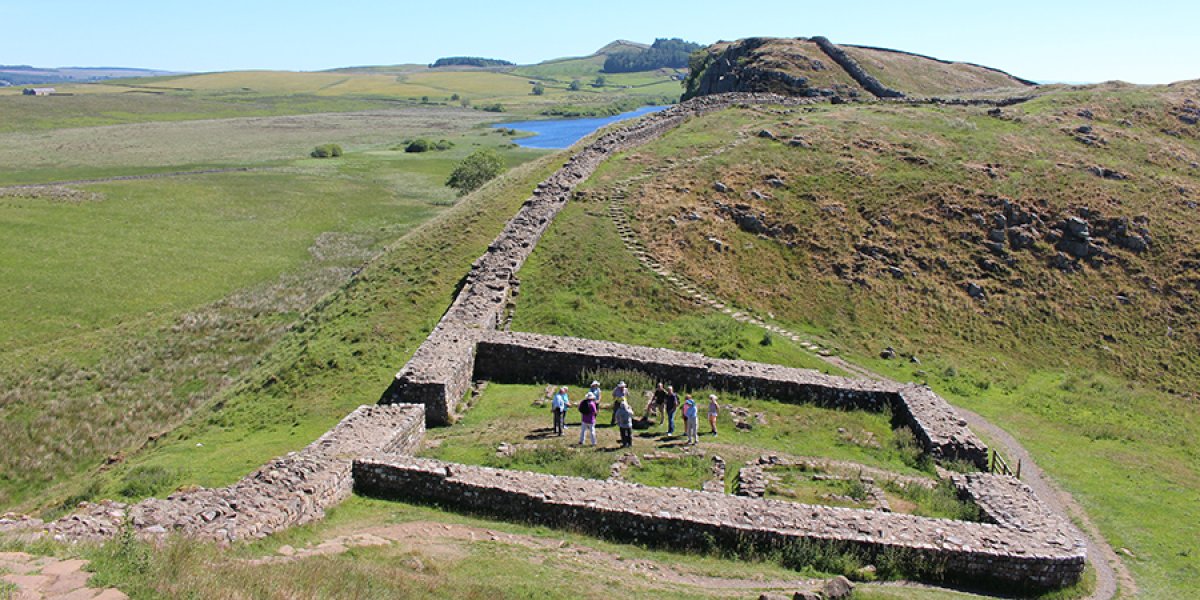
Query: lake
563	133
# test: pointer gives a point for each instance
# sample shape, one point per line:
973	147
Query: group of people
664	403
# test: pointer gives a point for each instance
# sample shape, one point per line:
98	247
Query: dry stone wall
1036	554
287	491
530	358
438	374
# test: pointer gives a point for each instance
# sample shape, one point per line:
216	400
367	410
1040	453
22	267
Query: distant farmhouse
38	91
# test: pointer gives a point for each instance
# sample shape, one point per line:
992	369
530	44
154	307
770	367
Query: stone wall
438	374
287	491
1038	554
852	68
511	357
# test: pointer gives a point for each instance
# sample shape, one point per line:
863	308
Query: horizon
1063	42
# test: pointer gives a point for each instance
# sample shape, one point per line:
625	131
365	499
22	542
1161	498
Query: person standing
587	411
658	403
714	409
671	404
559	405
619	395
625	423
595	391
689	420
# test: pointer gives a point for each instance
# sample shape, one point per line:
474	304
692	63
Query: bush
539	89
493	108
443	145
575	86
419	145
476	170
146	481
326	151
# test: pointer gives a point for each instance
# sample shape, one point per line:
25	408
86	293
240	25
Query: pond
563	133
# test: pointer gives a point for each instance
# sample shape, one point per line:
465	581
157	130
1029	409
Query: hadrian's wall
287	491
1043	552
439	373
532	358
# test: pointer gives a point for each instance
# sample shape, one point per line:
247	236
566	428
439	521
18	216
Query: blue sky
1141	42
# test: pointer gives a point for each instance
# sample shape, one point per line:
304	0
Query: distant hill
816	66
27	75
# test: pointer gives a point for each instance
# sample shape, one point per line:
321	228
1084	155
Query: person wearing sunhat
587	412
595	391
619	394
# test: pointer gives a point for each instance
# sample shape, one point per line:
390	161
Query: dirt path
37	577
444	540
1110	571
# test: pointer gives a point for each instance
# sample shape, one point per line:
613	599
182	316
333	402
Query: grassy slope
125	312
921	76
339	356
1095	410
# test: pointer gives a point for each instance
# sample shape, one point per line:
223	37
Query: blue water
563	133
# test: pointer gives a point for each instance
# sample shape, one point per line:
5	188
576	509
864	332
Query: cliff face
815	66
796	68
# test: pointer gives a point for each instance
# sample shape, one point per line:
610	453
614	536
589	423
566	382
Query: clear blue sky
1143	42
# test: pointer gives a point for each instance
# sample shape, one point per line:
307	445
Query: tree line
670	53
470	61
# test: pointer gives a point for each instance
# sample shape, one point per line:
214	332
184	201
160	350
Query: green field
1102	391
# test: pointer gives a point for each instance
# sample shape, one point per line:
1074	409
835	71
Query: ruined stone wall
512	357
1010	552
287	491
438	374
855	70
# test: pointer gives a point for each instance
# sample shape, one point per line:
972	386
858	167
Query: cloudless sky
1147	41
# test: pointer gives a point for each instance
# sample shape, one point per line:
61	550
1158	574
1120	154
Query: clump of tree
475	170
326	151
665	53
469	61
539	89
575	85
493	108
424	145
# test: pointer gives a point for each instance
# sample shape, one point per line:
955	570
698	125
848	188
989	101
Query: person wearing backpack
587	411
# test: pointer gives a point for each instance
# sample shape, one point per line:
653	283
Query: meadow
130	303
1099	389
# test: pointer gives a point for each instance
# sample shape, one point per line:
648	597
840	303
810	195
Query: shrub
476	170
443	145
326	151
599	81
575	86
146	481
493	108
539	89
419	145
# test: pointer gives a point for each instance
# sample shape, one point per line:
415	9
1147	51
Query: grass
920	76
328	361
512	414
150	298
1100	390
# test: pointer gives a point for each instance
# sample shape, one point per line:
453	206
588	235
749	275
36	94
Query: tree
419	145
476	170
575	85
599	81
539	89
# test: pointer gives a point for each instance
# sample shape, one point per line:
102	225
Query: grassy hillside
128	304
921	75
879	220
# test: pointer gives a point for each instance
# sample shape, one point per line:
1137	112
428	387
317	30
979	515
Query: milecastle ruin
1022	543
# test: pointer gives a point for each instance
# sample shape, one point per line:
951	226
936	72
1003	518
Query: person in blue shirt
559	404
690	418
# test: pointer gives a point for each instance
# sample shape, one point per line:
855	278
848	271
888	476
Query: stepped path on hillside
1110	571
33	577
